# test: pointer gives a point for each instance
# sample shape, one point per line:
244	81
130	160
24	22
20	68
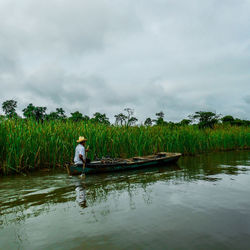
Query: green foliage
27	145
86	118
100	118
61	113
127	120
239	122
37	113
205	119
148	122
58	115
227	119
130	119
9	108
52	116
120	119
29	111
160	119
160	114
76	116
185	122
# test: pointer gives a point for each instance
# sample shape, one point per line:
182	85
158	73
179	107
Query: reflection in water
206	166
18	194
40	192
80	191
40	203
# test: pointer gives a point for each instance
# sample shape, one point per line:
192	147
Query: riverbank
26	145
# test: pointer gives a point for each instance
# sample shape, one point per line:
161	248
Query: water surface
203	202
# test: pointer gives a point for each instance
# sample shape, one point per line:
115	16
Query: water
201	203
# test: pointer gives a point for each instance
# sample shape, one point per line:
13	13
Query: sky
105	55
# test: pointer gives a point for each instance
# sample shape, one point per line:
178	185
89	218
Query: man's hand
81	157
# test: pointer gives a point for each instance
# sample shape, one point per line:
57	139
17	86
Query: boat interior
134	159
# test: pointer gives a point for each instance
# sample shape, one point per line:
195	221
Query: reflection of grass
27	145
99	189
108	187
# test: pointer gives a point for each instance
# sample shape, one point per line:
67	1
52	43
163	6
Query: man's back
80	150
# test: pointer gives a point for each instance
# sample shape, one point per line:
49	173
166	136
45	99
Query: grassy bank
27	145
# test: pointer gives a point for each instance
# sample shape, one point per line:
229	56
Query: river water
203	202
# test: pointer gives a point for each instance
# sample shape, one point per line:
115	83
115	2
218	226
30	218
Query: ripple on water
203	202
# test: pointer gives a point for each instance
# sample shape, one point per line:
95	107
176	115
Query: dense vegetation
202	118
31	143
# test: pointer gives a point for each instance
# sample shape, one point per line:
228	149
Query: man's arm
81	157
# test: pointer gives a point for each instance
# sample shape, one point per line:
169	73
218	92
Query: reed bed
26	145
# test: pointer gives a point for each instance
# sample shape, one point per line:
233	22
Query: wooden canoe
110	165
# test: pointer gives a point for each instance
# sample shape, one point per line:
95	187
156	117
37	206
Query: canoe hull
102	168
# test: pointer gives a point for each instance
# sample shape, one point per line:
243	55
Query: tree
234	121
61	113
227	119
100	118
205	119
37	113
40	113
246	122
130	119
160	120
85	118
29	111
185	122
9	108
120	119
239	122
160	114
76	116
148	122
52	116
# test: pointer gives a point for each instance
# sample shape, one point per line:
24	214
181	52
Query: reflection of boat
110	165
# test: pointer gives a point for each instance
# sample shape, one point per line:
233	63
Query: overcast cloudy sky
177	56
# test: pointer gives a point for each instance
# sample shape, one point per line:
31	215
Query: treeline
202	119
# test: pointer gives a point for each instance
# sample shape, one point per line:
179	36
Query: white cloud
175	56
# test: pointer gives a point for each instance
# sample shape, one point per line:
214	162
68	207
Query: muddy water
201	203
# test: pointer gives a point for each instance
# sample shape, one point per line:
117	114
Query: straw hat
81	139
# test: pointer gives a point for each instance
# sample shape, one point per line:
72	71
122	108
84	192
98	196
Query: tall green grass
26	145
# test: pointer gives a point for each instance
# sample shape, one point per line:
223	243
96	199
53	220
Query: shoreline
59	168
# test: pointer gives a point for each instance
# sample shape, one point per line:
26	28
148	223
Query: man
80	156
